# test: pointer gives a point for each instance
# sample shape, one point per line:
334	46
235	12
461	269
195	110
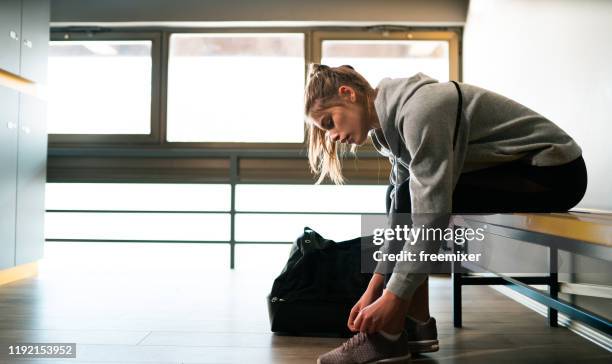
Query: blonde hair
321	93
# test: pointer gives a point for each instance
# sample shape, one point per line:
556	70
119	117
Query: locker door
10	35
34	40
9	103
31	179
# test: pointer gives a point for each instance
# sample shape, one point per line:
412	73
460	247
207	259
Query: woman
454	148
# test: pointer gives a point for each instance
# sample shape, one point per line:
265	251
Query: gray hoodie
417	117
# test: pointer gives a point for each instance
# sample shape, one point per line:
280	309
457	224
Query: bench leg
552	313
457	299
553	285
457	286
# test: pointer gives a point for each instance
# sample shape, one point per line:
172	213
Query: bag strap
459	107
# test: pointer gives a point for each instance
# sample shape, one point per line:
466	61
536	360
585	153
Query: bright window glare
236	88
114	260
137	226
262	257
287	227
137	196
99	87
311	198
377	59
252	227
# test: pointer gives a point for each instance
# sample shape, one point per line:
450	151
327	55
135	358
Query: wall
554	57
441	12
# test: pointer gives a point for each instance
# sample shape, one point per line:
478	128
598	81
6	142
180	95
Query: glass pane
236	88
114	260
137	226
99	87
261	257
377	59
137	196
287	227
311	198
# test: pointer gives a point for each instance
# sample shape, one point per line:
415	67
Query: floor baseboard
19	272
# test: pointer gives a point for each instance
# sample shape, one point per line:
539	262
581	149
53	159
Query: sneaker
422	336
369	349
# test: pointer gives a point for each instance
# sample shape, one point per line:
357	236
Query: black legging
512	187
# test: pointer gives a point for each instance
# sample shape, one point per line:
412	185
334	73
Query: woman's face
345	123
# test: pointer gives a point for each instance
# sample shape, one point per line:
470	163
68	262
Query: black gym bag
318	286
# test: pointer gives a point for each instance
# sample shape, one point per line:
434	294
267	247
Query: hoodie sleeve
426	125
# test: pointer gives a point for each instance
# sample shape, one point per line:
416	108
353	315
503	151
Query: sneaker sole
405	359
398	359
424	346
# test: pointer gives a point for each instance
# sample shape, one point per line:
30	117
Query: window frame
252	162
452	36
153	137
225	145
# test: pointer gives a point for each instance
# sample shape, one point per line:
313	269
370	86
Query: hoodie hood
392	94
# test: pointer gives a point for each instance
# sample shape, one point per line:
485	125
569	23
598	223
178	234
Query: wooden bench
586	234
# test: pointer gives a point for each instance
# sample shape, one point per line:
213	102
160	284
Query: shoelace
354	341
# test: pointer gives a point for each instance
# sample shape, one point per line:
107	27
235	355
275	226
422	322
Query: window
376	59
265	215
262	257
227	86
310	198
137	226
236	87
66	258
293	199
391	53
100	87
287	227
137	196
172	221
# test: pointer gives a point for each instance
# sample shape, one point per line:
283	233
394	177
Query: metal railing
233	181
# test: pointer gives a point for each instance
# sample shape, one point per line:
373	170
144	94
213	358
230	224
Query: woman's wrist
377	281
392	297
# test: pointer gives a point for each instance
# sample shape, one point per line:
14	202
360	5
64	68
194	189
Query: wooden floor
147	303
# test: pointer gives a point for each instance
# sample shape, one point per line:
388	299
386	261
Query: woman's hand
373	291
385	310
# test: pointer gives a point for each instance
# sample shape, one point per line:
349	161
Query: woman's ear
347	93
